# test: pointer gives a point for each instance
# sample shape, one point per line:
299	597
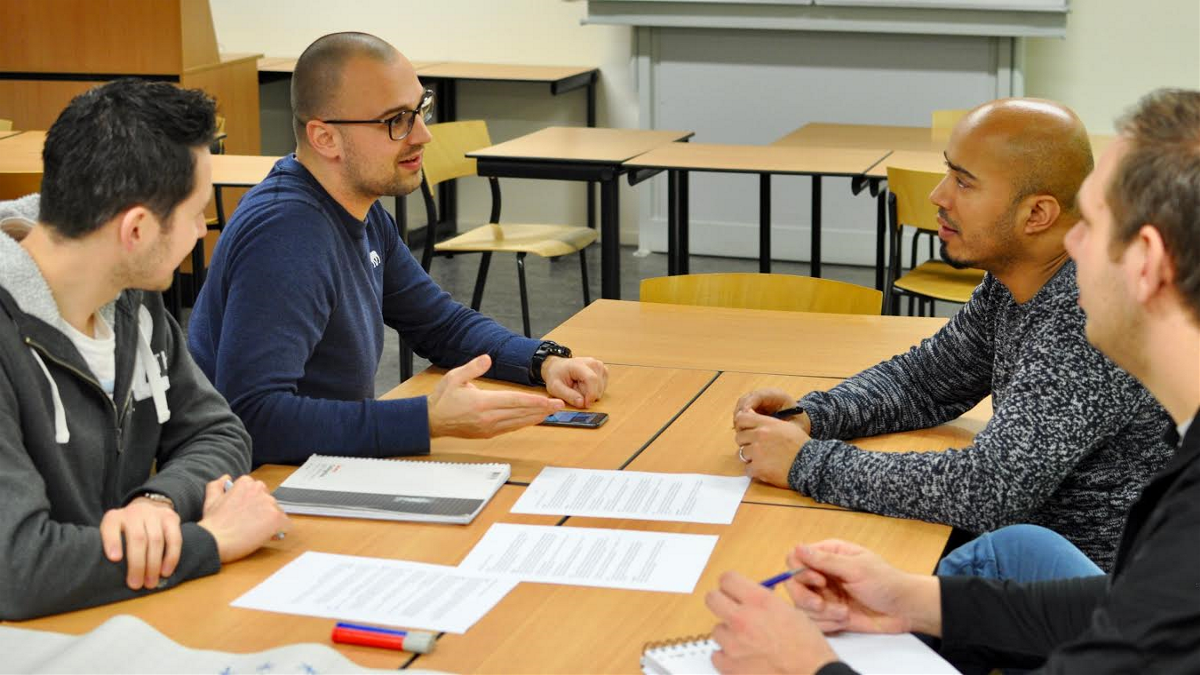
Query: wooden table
580	154
705	429
863	136
445	76
669	415
745	340
241	170
545	628
679	159
640	402
21	163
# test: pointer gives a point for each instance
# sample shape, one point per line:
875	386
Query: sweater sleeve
436	326
266	338
1062	400
934	382
49	566
1007	624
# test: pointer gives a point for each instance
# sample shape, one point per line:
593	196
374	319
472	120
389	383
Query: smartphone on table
572	418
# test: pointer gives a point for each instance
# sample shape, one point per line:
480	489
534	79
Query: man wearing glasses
289	325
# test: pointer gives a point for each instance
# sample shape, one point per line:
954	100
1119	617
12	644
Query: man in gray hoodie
117	455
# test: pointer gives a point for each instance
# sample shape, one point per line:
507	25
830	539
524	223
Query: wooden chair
445	160
785	292
5	125
909	205
196	266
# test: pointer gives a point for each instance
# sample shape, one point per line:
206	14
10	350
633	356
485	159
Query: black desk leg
672	223
815	264
591	122
880	238
610	239
682	218
764	223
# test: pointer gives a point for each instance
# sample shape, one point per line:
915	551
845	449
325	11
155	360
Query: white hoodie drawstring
154	377
61	433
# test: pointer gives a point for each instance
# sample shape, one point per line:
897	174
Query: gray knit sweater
1072	440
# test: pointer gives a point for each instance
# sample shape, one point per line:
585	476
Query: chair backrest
785	292
5	125
445	155
944	120
912	189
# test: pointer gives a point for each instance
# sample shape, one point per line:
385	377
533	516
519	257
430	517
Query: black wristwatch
544	351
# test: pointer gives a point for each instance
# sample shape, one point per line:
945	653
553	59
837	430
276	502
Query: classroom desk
679	159
197	614
241	170
445	76
863	136
747	340
545	628
21	163
640	402
6	134
580	154
704	434
558	628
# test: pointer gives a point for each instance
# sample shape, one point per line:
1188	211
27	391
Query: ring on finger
741	456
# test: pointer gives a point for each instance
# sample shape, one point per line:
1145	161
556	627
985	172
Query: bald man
289	325
1073	438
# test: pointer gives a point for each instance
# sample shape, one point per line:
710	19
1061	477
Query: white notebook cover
869	654
358	487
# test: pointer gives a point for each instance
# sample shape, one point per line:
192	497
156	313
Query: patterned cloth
1072	440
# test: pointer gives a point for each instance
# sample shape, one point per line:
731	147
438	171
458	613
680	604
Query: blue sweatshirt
289	324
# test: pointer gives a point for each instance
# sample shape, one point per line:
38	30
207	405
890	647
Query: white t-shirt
99	352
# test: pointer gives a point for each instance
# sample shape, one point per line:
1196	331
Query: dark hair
123	144
1158	182
318	71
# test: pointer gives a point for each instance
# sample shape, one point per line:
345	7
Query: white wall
538	32
1115	51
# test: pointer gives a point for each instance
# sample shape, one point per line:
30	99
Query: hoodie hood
21	278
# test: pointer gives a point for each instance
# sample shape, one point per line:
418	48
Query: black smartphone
571	418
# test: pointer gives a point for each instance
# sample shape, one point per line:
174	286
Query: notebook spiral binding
676	644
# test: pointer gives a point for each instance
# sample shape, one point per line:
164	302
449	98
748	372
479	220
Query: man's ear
133	228
1146	257
323	139
1043	213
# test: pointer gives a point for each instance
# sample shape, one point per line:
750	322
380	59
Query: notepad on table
870	654
385	489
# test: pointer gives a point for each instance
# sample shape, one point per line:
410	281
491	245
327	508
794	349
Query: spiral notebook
388	489
866	653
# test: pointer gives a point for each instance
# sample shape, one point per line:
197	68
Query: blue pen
782	577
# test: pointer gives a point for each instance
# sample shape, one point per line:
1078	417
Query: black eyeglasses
401	124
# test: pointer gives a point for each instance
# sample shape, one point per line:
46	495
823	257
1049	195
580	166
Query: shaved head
316	81
1044	143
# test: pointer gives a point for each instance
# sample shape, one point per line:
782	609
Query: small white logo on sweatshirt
375	259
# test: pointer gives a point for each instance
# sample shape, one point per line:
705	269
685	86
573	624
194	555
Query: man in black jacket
1138	256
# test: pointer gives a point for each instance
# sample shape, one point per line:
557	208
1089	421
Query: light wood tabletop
701	440
640	402
198	614
241	170
863	136
544	628
921	160
463	70
8	134
750	340
22	151
776	159
287	64
581	144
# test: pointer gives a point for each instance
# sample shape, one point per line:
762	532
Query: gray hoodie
69	453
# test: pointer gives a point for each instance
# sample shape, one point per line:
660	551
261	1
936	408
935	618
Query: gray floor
555	291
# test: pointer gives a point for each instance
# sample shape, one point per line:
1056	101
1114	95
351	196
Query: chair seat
548	241
937	280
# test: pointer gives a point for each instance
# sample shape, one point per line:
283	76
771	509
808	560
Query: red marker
418	642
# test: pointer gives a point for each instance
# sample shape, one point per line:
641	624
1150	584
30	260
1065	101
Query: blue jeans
1021	553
